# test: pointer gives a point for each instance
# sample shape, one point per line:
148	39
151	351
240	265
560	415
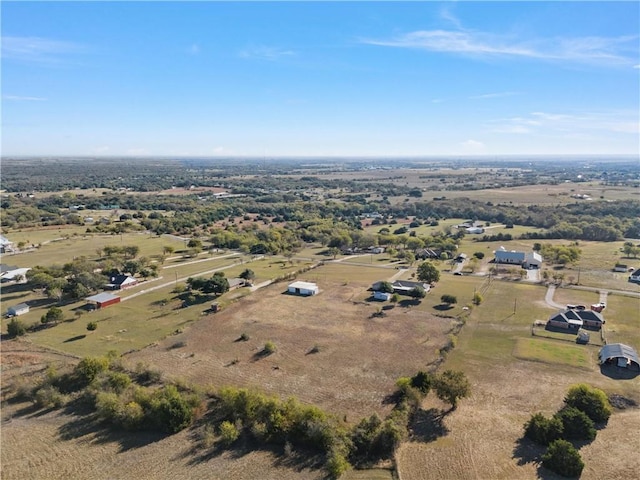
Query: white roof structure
101	297
304	285
13	274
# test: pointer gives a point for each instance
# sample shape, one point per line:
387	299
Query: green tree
418	292
16	327
53	315
423	381
543	430
386	287
428	273
248	274
562	458
91	326
451	386
592	401
477	298
449	299
90	367
576	424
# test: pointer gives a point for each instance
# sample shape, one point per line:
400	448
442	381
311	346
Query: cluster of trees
585	407
217	284
560	254
81	277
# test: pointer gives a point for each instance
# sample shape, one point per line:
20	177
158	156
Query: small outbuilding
620	355
303	288
17	310
383	296
103	299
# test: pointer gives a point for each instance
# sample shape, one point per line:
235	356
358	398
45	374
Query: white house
526	260
121	282
19	309
5	244
16	274
303	288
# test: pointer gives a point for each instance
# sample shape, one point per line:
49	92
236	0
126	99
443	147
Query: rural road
551	290
183	279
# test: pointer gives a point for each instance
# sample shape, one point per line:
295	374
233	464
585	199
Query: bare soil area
356	360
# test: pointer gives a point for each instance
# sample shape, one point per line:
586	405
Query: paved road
551	290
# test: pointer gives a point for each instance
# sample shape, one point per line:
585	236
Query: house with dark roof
121	282
635	276
574	319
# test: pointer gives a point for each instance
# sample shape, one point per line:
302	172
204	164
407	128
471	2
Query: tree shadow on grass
526	452
443	307
80	426
428	425
73	339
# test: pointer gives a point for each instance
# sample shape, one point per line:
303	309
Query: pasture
514	375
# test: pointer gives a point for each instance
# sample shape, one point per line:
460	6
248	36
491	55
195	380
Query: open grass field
513	376
361	351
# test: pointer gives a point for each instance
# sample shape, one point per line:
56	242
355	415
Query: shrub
91	326
477	299
131	416
107	405
337	464
543	430
48	397
269	348
169	410
592	401
89	368
119	381
16	327
562	458
244	337
228	433
576	424
479	255
448	299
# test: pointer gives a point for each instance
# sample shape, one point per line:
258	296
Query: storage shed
303	288
103	299
19	309
619	354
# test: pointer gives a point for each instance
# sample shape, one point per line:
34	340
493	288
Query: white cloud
604	50
20	98
266	53
636	66
37	49
194	49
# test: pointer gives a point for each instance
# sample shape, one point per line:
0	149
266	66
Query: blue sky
320	78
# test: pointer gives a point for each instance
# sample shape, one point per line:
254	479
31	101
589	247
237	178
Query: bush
269	348
91	326
562	458
228	433
576	424
131	416
448	299
169	410
89	368
48	397
119	381
337	464
543	430
592	401
16	327
53	315
477	299
479	255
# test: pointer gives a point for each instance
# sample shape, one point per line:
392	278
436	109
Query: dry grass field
514	375
365	355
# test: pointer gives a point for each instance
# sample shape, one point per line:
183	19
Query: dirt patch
622	403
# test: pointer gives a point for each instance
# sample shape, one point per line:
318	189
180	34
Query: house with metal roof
103	299
303	288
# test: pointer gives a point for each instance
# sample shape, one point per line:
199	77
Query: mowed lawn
514	375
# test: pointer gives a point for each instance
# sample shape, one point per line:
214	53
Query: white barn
303	288
19	309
